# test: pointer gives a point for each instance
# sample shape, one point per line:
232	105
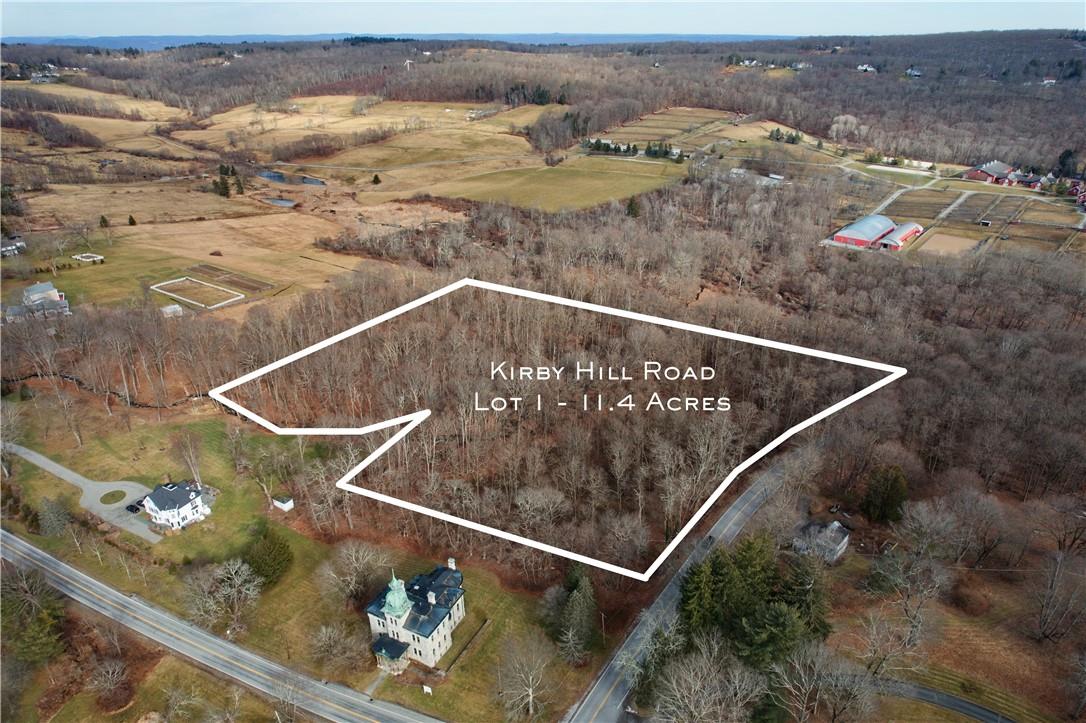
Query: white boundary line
410	421
237	294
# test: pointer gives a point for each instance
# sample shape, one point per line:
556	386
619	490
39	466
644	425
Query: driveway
92	491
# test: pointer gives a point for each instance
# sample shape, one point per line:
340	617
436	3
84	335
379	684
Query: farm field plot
980	187
155	202
946	244
196	292
924	203
226	277
1005	209
578	183
151	110
1030	237
669	125
1042	212
972	208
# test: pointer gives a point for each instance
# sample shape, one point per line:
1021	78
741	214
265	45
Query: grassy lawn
127	269
467	694
577	183
961	185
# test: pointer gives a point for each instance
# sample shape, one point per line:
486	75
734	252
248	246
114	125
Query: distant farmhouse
12	247
827	540
416	621
176	505
865	68
1003	174
878	232
40	301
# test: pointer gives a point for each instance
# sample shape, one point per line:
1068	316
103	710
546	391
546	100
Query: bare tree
884	645
798	679
180	701
708	685
848	692
1078	684
222	593
1062	519
11	430
524	686
353	570
335	646
187	448
107	676
1060	603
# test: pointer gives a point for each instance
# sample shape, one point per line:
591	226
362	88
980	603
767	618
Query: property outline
237	294
410	421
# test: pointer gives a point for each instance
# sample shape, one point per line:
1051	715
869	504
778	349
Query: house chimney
451	564
431	598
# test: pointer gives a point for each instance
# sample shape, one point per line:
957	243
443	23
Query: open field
578	183
252	128
444	144
151	110
957	184
1058	213
899	710
130	135
158	202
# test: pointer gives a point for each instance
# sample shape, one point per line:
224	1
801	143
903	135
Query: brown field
433	146
924	203
147	109
1042	212
675	125
257	130
198	293
229	279
134	136
155	202
276	248
945	244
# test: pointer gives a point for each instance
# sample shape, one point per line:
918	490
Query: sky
44	17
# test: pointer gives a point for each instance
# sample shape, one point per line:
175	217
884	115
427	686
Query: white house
176	505
415	621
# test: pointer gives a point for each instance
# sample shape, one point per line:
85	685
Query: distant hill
158	42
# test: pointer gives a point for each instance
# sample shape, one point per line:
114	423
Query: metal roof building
865	231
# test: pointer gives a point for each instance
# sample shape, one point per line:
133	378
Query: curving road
328	701
92	491
606	700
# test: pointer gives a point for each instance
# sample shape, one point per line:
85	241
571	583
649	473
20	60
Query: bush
887	490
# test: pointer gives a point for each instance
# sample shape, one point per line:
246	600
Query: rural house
416	621
176	505
828	540
40	301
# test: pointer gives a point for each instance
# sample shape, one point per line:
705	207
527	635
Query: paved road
92	491
606	699
331	702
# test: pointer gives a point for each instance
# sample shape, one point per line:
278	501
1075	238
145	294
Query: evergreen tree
571	646
580	612
103	222
376	180
633	207
769	634
887	490
805	591
238	187
698	601
131	220
270	557
38	639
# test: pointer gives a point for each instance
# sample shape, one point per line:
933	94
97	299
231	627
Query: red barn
865	232
990	172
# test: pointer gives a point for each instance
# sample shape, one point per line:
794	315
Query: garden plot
923	204
945	244
198	293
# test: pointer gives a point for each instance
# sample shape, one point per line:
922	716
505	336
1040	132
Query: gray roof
42	287
997	169
831	533
446	585
173	496
869	228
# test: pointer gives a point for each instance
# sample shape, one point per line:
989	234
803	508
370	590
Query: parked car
139	502
133	508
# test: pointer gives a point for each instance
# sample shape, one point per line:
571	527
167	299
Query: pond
284	202
280	177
